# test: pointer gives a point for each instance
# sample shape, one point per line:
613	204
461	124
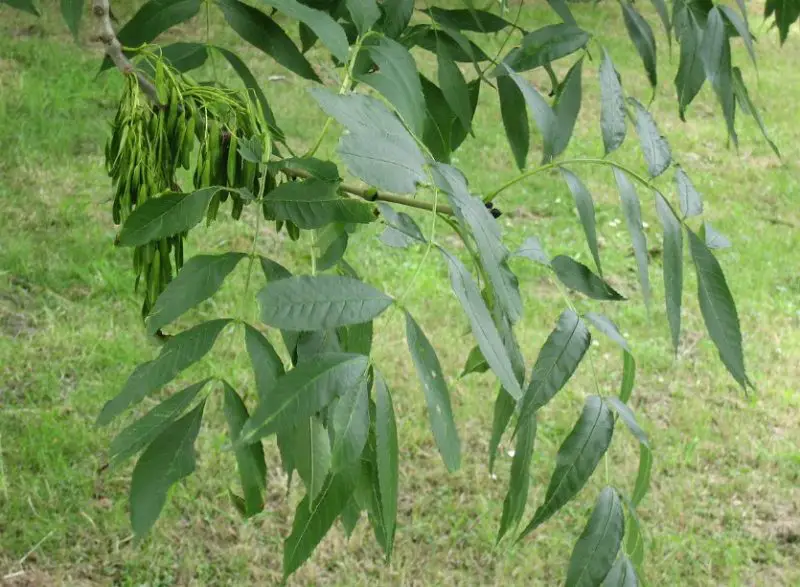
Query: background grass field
725	503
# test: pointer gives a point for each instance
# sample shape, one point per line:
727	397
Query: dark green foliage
323	396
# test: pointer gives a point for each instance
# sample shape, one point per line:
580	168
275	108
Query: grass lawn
724	508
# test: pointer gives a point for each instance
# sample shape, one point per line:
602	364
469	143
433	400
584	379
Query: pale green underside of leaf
437	395
378	149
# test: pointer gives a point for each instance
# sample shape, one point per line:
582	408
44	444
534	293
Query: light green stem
578	161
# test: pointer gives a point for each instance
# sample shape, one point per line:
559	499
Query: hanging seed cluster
194	127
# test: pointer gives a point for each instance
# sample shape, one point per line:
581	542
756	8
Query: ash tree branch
374	196
108	37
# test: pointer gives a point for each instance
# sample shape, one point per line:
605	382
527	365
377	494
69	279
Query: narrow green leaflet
250	82
612	106
622	574
747	106
663	14
628	376
473	215
718	309
319	302
597	548
312	454
350	516
267	365
313	203
642	36
786	13
741	27
152	19
198	280
642	484
317	342
23	5
691	75
566	107
532	249
475	363
386	457
579	277
72	11
365	13
634	541
483	327
350	426
166	461
396	15
401	222
542	113
439	121
249	458
356	338
515	118
263	33
308	38
504	407
585	206
139	434
607	327
328	30
576	460
715	51
690	200
469	19
633	219
166	215
397	80
673	264
331	245
543	46
461	49
274	271
185	56
178	353
561	8
458	131
629	418
378	149
303	391
519	481
368	493
437	395
454	86
558	359
655	148
312	520
713	238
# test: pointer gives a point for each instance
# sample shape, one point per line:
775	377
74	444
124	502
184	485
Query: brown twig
114	51
372	195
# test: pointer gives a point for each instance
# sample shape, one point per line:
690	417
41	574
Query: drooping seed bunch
150	142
